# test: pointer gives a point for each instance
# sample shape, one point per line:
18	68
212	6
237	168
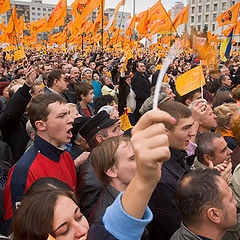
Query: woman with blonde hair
226	113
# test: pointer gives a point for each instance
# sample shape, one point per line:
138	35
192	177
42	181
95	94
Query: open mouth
69	133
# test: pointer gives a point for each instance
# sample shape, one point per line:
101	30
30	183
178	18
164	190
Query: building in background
36	10
203	13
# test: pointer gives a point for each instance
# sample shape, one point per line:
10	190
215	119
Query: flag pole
102	26
120	25
66	28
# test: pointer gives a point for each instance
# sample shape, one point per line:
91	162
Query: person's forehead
219	143
56	108
182	122
125	149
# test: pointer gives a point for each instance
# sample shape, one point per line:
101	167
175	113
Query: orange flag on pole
82	8
229	16
190	81
181	18
121	3
4	6
236	29
39	26
58	15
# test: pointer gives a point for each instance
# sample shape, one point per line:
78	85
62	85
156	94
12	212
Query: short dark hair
196	191
102	101
176	110
137	63
38	109
82	88
221	78
205	145
189	95
55	74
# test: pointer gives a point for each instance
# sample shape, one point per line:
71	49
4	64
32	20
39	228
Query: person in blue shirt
87	76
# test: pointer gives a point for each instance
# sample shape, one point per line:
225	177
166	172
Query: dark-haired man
50	118
206	204
56	82
141	86
166	218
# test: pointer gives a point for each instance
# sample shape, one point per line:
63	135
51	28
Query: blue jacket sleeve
123	226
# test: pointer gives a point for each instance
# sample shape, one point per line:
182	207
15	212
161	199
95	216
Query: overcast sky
140	4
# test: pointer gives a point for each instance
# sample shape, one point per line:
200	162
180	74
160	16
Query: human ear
213	215
99	138
207	159
111	172
40	125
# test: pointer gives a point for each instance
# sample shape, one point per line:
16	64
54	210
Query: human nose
79	230
230	151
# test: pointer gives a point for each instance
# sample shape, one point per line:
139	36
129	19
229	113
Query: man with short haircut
166	218
206	204
114	163
75	75
212	150
190	97
50	118
141	86
225	83
96	130
56	82
84	94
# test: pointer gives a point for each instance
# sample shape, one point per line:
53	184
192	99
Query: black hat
18	68
77	124
94	125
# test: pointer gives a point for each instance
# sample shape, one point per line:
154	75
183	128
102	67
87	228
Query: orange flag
19	54
82	8
38	26
190	81
12	27
163	24
30	39
157	11
142	26
129	30
21	24
229	16
236	29
58	15
121	3
4	6
2	26
181	18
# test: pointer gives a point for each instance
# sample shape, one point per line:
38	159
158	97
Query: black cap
77	124
94	125
18	68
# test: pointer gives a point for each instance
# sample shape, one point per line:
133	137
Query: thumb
210	164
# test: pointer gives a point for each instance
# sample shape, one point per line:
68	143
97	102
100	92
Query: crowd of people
69	169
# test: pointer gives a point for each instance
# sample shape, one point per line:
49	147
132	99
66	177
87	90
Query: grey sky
140	4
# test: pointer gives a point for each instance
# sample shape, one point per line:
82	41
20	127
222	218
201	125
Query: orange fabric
4	6
181	18
58	15
229	16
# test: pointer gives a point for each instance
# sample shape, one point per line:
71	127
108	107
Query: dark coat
106	198
141	86
124	90
13	122
166	218
88	188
